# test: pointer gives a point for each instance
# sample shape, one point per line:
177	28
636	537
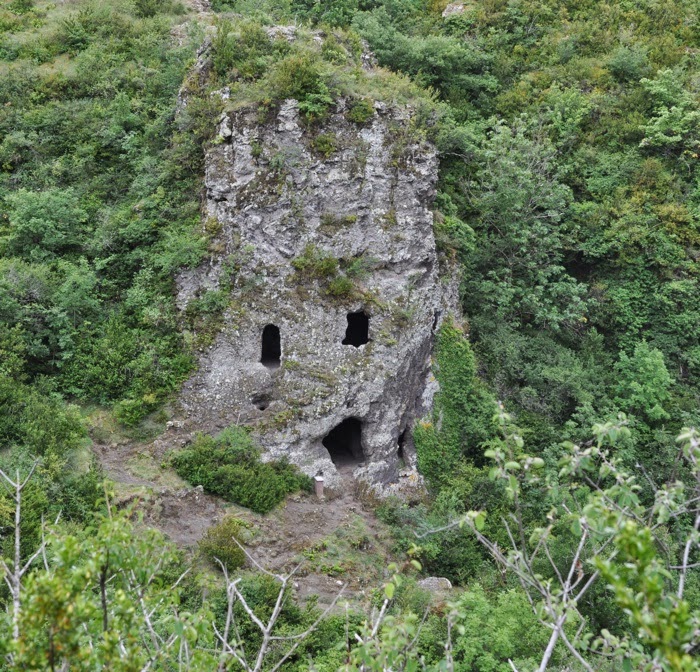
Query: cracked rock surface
279	192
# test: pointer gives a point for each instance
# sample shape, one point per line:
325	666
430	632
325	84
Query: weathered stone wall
270	194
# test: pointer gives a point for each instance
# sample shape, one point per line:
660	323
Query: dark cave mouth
344	443
357	332
271	347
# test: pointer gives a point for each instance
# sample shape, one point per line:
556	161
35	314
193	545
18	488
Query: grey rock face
435	584
364	200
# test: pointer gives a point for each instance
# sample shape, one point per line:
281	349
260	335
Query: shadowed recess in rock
271	347
357	333
260	401
344	442
402	443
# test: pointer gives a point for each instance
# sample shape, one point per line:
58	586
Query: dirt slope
337	541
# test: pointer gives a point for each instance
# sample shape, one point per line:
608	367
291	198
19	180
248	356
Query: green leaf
389	590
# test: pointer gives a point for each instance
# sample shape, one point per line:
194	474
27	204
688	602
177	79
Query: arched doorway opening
271	347
344	443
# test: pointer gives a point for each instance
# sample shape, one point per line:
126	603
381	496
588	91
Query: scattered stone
435	584
453	9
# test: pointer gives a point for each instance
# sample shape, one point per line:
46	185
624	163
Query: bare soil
332	542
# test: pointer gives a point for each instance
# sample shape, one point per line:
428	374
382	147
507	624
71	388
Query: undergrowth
229	466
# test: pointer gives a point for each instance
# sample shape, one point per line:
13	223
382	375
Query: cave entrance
271	347
344	443
357	333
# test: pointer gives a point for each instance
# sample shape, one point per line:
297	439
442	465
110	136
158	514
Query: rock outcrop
324	236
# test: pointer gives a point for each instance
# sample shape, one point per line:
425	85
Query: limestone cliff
323	237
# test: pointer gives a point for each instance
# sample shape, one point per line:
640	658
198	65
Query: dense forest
561	463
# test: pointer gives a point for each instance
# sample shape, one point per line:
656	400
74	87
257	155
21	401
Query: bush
361	111
296	76
44	224
38	420
219	543
315	264
229	465
325	144
299	76
245	54
149	8
341	287
130	412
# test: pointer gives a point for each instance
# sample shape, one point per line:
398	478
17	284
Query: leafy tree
520	206
43	224
643	383
676	123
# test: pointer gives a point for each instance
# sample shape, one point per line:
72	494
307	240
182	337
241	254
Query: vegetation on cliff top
569	137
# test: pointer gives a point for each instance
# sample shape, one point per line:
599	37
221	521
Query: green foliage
516	268
463	410
315	264
639	581
21	6
149	8
360	111
100	195
325	143
629	63
331	222
676	121
453	554
496	629
613	532
229	466
43	225
341	287
456	67
94	591
244	52
643	383
37	420
452	235
219	543
333	50
299	76
360	267
12	353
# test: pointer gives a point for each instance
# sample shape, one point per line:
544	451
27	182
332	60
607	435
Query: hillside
443	255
